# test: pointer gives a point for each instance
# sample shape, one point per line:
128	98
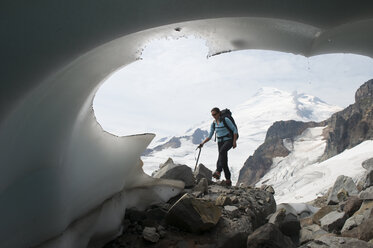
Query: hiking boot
216	175
226	183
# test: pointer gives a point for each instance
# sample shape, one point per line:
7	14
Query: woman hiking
227	137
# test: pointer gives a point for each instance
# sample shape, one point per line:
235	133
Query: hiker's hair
217	110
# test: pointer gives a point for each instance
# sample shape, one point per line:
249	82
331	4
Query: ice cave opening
64	182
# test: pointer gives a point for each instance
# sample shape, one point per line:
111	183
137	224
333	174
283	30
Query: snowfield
298	177
253	119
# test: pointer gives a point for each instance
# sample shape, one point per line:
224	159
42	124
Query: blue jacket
221	130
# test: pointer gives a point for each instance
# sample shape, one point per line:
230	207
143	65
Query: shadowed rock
193	215
269	235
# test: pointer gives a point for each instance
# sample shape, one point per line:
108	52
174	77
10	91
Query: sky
174	85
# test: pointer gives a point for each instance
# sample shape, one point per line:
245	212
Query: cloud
174	86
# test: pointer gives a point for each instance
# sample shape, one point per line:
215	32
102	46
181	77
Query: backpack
227	113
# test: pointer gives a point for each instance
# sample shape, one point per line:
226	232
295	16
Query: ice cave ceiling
54	56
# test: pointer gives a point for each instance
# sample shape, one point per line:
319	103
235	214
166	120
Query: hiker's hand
200	145
234	144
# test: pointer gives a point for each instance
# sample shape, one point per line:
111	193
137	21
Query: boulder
366	194
368	164
268	188
340	242
342	182
150	234
352	222
368	181
366	206
230	233
364	231
202	186
193	215
269	235
203	172
287	222
232	211
311	232
333	221
322	212
342	195
223	200
170	170
352	205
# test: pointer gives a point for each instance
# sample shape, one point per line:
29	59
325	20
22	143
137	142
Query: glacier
64	181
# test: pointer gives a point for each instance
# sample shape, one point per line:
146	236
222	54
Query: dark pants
222	163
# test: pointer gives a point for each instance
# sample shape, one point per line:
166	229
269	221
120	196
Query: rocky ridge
344	129
257	165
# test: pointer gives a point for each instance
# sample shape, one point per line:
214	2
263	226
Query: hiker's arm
234	140
212	130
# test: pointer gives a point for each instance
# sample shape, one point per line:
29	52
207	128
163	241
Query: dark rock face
198	136
352	125
258	165
269	235
193	215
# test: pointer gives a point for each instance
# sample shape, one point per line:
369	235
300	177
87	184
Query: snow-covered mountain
253	118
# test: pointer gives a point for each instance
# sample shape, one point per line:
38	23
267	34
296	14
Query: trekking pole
199	153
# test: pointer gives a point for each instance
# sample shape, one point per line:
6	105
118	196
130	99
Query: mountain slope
253	118
314	154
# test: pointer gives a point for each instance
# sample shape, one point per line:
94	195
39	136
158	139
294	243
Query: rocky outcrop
257	165
352	125
170	170
175	142
345	129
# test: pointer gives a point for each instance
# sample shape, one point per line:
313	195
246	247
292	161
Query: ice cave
64	181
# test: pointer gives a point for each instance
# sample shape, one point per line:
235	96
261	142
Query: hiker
227	136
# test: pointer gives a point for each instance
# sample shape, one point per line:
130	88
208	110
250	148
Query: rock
336	242
333	221
170	170
232	233
287	222
352	222
368	164
366	194
342	195
203	172
150	234
306	222
202	186
368	181
364	231
278	217
352	205
223	200
268	188
366	206
269	235
193	215
311	232
232	211
322	212
342	182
